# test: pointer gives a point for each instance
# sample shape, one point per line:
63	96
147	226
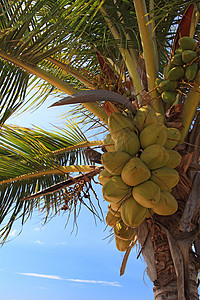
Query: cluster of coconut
183	67
139	172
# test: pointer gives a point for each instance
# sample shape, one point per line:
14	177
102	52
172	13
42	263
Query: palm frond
34	159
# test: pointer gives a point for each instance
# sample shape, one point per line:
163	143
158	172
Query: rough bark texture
172	255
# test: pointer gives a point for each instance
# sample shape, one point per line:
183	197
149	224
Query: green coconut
188	56
118	121
115	190
109	144
168	85
177	59
147	194
191	71
123	232
154	156
145	116
174	159
132	213
167	68
104	176
127	141
173	137
157	82
165	177
167	204
187	43
153	134
176	73
114	162
135	172
169	97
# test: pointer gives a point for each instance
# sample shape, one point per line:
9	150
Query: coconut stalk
149	51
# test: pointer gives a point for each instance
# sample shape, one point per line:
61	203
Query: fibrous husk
147	194
104	176
153	134
114	162
115	190
132	213
122	245
111	219
154	156
135	172
127	141
145	116
167	204
173	137
117	121
165	177
109	143
174	159
123	232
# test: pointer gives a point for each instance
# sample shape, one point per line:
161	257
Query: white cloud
107	283
42	276
39	242
95	282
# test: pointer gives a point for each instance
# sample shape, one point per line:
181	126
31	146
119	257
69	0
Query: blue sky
52	263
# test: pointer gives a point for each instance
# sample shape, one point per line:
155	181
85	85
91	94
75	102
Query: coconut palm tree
107	58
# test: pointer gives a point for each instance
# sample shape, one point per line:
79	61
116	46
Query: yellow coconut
117	121
104	176
167	204
147	194
109	143
114	162
122	245
174	159
132	213
154	156
160	117
165	177
115	190
111	219
173	137
153	134
127	141
145	116
113	211
123	232
135	172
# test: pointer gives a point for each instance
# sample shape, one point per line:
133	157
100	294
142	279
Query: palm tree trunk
170	253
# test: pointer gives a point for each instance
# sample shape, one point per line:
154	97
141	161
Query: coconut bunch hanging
139	171
181	70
